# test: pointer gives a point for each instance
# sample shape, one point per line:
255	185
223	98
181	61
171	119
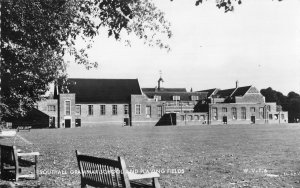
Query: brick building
240	105
96	102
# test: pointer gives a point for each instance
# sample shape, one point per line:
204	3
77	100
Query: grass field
191	156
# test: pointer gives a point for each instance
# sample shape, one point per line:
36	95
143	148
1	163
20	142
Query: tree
290	103
36	34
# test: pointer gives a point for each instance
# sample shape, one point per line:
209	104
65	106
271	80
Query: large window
126	109
148	111
137	109
114	109
234	114
261	112
102	110
51	108
252	109
195	98
157	97
159	111
215	113
90	110
224	109
243	113
78	109
68	108
176	98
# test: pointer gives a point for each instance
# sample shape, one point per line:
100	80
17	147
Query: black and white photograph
150	93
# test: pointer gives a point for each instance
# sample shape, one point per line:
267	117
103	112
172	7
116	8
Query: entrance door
253	119
52	122
67	123
126	121
225	119
77	122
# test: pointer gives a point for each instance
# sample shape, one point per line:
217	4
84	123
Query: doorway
67	123
253	119
77	122
224	119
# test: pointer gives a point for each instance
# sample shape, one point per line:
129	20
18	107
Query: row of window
234	112
102	109
243	112
177	98
138	111
192	118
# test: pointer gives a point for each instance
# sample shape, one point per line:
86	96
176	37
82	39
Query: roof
209	91
184	96
145	90
225	93
241	91
104	90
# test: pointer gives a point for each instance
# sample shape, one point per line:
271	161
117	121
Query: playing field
191	156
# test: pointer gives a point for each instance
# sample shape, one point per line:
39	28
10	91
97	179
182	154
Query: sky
258	44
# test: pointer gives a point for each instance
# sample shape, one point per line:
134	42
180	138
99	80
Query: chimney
236	84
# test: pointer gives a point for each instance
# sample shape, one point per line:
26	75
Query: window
270	116
148	111
224	109
196	117
261	112
282	116
176	98
159	111
275	116
90	110
252	109
182	118
78	109
215	113
190	117
269	108
114	109
202	117
137	109
102	110
51	108
243	112
157	97
195	98
234	114
126	109
68	108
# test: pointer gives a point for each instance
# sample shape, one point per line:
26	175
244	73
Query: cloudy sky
258	44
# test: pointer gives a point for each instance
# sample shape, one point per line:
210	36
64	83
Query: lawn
186	156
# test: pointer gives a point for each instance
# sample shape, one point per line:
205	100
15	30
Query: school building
122	102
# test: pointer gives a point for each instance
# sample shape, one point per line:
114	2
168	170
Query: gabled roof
241	91
225	93
184	96
145	90
209	91
104	90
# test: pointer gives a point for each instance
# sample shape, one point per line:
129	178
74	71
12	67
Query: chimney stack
236	84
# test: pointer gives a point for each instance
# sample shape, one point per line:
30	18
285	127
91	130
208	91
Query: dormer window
194	98
176	98
157	97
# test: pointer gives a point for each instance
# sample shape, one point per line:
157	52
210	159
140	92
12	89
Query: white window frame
91	110
176	98
104	110
79	109
194	97
114	113
140	109
66	107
